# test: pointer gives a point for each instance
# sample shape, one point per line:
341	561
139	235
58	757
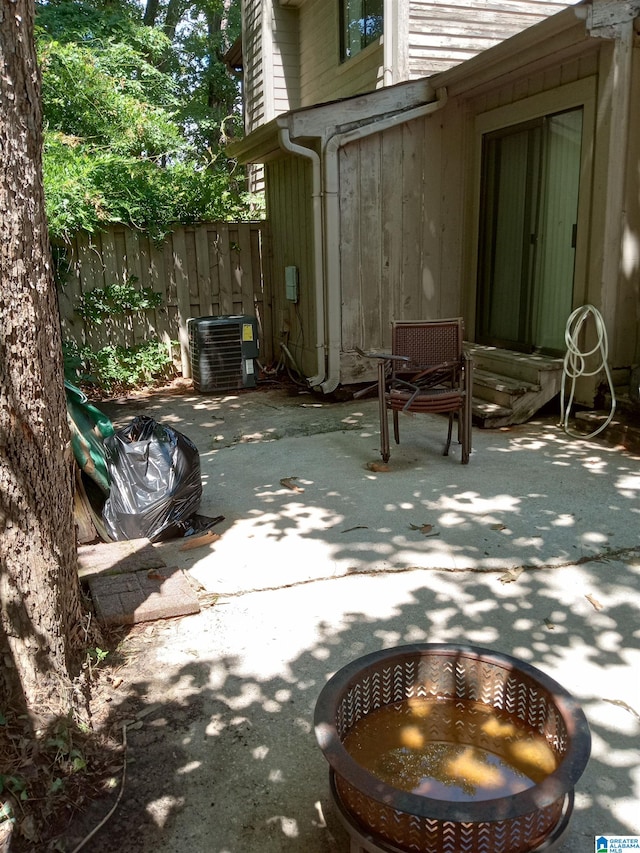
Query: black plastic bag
155	481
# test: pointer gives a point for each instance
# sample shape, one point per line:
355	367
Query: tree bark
42	617
151	13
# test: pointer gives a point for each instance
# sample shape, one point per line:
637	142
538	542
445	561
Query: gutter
331	210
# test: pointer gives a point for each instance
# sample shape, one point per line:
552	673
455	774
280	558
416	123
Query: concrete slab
532	549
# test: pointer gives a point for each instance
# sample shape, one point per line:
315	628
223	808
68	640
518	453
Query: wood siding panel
289	202
252	47
391	248
442	33
322	76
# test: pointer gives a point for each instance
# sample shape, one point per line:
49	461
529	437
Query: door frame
581	93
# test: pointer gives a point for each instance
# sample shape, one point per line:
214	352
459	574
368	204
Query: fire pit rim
539	796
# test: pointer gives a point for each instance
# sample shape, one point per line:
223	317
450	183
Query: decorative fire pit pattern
409	822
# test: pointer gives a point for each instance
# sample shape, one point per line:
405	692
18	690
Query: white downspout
332	223
318	256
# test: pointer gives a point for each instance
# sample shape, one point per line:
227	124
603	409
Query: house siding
252	42
322	76
289	187
442	34
404	253
292	54
271	61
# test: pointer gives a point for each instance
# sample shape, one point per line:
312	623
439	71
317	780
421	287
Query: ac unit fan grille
219	355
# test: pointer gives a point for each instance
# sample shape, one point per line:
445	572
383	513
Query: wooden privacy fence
211	269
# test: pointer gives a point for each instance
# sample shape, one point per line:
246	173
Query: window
361	23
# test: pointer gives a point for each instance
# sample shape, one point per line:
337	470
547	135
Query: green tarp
89	427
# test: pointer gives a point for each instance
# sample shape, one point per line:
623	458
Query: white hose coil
575	363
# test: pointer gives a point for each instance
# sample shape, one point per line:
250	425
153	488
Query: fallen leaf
378	467
288	483
512	575
498	526
154	575
594	601
423	528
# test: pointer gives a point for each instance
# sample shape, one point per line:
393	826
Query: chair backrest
428	342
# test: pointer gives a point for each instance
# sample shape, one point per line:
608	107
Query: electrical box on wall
291	283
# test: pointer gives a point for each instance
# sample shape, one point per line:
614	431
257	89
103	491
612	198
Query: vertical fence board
203	280
184	296
133	332
224	272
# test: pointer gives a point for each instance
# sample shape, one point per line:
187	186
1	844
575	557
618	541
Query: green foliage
137	115
117	367
99	303
15	785
86	190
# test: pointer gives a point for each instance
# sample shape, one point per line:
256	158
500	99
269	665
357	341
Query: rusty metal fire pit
382	817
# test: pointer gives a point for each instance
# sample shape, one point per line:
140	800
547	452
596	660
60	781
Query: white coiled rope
575	363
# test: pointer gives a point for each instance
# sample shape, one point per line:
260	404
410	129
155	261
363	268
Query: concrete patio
532	549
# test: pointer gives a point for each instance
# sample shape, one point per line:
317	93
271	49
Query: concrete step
517	365
510	387
501	389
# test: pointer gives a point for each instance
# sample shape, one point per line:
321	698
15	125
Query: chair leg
382	408
449	431
466	412
396	427
465	428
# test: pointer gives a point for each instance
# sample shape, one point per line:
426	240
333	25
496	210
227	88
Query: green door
529	204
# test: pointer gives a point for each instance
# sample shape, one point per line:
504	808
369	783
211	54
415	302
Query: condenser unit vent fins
223	352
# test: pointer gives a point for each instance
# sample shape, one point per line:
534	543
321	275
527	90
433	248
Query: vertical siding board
262	302
412	142
431	282
352	332
372	296
392	224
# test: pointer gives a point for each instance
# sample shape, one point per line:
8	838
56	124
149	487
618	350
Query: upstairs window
361	23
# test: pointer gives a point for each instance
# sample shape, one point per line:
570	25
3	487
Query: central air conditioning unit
223	352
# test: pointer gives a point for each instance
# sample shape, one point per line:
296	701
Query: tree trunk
151	13
42	617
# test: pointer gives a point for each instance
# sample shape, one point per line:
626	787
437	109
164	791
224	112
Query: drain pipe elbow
286	144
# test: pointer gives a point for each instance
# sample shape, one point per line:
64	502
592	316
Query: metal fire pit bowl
384	818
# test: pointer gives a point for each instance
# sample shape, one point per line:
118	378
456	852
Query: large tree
43	624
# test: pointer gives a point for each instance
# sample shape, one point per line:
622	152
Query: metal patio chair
426	372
